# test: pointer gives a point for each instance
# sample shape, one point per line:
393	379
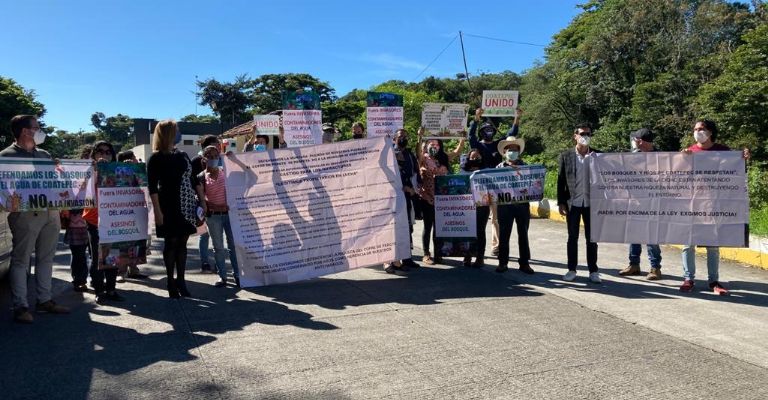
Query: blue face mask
260	147
177	139
221	163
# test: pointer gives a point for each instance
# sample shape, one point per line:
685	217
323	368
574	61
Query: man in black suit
573	200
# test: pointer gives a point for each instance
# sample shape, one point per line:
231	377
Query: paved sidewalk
439	332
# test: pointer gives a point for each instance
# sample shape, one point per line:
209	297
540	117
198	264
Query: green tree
229	101
738	98
15	100
116	129
206	119
267	90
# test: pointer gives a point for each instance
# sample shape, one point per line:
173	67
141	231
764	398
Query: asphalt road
438	332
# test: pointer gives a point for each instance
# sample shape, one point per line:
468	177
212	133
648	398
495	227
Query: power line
435	59
504	40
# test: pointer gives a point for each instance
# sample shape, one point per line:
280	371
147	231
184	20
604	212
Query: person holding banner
573	200
102	280
36	231
213	182
488	148
329	133
408	166
642	141
358	130
705	134
475	163
261	142
198	166
433	161
173	188
510	214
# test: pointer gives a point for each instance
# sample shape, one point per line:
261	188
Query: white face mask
701	136
584	140
39	137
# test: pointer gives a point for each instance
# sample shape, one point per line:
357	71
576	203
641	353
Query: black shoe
173	292
206	268
81	288
182	286
526	269
502	269
479	263
114	296
137	275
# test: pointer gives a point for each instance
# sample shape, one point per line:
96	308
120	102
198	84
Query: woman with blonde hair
173	188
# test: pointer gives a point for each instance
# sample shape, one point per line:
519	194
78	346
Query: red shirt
715	147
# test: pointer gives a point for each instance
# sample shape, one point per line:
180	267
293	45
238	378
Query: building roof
239	130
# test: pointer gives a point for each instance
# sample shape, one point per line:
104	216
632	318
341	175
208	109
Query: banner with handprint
34	184
503	186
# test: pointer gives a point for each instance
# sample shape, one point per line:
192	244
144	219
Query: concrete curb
756	255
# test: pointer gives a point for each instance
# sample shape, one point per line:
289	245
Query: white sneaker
569	276
120	278
595	277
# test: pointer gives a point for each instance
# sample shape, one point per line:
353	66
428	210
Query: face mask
177	139
701	136
473	164
512	155
584	140
432	151
357	136
260	147
488	134
402	142
39	137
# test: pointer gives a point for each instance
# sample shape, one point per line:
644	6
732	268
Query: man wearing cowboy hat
488	148
511	148
573	200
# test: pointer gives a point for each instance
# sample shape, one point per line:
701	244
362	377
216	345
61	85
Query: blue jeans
203	246
713	263
218	225
654	254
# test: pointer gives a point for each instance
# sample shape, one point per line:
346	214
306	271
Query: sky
142	57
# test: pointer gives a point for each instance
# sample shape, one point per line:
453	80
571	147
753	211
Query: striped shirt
215	189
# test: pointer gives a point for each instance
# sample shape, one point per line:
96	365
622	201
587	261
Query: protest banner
669	198
500	103
302	213
502	186
455	218
123	212
301	100
33	184
384	114
444	121
266	124
302	127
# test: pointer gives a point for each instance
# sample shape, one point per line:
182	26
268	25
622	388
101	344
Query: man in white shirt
573	200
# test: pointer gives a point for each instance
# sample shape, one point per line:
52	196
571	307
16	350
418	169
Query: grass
758	221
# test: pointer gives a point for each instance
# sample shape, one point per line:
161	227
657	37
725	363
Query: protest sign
455	218
32	184
123	212
302	213
669	198
122	204
444	120
384	114
500	103
301	100
502	186
302	127
266	124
